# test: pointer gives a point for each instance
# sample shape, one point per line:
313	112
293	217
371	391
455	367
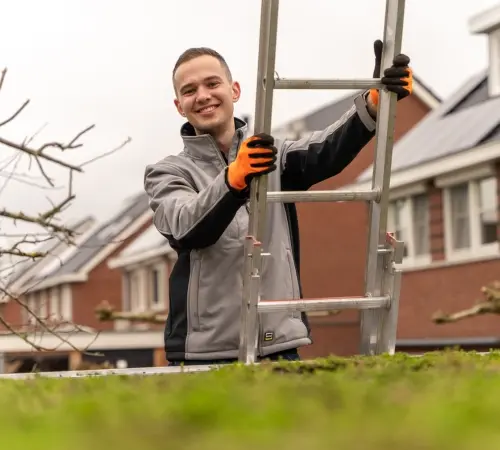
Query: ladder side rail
258	188
391	286
372	322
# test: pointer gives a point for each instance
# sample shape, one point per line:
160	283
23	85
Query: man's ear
236	91
177	104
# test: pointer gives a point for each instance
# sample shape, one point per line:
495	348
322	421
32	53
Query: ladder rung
322	196
324	304
339	83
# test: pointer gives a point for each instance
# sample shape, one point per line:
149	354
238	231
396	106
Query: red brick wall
333	245
448	289
103	284
11	313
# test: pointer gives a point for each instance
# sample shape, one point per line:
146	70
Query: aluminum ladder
379	306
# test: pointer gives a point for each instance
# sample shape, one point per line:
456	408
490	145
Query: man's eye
213	84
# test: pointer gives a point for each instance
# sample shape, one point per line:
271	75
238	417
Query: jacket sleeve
189	219
326	153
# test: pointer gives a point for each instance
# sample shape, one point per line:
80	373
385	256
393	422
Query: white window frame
472	178
54	303
476	248
43	305
411	259
161	267
137	297
66	303
31	303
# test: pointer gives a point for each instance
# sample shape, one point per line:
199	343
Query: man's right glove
256	156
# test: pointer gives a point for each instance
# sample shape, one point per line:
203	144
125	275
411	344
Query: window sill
487	250
418	262
469	258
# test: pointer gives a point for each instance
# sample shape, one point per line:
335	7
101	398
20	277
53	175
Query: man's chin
209	126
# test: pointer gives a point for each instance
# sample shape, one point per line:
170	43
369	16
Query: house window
487	201
31	311
408	219
146	288
459	211
471	217
157	285
54	305
135	290
420	216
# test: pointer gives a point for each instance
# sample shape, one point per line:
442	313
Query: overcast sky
109	62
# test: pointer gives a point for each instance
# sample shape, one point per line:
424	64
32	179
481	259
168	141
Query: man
200	202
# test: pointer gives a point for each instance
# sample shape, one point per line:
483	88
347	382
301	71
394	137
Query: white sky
109	62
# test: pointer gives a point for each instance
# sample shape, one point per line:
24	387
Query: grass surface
441	401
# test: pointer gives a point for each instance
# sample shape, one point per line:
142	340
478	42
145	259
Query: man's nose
203	95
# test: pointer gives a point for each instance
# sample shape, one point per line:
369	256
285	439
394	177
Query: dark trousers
286	355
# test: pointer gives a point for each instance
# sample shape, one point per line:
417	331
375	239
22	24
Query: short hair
195	52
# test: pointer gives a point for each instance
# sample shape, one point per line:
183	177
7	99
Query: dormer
488	23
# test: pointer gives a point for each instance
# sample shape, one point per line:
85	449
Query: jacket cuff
362	110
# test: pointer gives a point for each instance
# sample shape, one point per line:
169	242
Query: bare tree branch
26	247
489	305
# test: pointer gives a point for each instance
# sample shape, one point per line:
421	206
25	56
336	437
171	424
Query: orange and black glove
398	78
256	156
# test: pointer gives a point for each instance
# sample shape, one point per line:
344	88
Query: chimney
488	23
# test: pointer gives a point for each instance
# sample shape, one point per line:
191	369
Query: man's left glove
398	78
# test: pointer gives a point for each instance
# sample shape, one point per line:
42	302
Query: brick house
65	288
444	205
127	263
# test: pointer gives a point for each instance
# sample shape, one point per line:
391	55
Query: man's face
205	96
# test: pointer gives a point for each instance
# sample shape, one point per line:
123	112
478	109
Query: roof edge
474	156
139	257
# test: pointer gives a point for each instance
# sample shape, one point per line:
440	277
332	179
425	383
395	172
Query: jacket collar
204	146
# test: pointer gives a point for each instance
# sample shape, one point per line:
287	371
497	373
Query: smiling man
200	197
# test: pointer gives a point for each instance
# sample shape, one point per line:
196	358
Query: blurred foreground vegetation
448	400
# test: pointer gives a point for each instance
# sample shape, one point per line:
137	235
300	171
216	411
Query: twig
43	325
128	140
11	118
42	219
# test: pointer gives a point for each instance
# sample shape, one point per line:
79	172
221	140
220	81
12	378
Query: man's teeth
210	108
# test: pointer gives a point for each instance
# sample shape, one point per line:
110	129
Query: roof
53	248
325	115
149	240
148	245
467	119
97	245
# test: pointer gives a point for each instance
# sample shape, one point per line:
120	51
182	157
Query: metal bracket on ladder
379	307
